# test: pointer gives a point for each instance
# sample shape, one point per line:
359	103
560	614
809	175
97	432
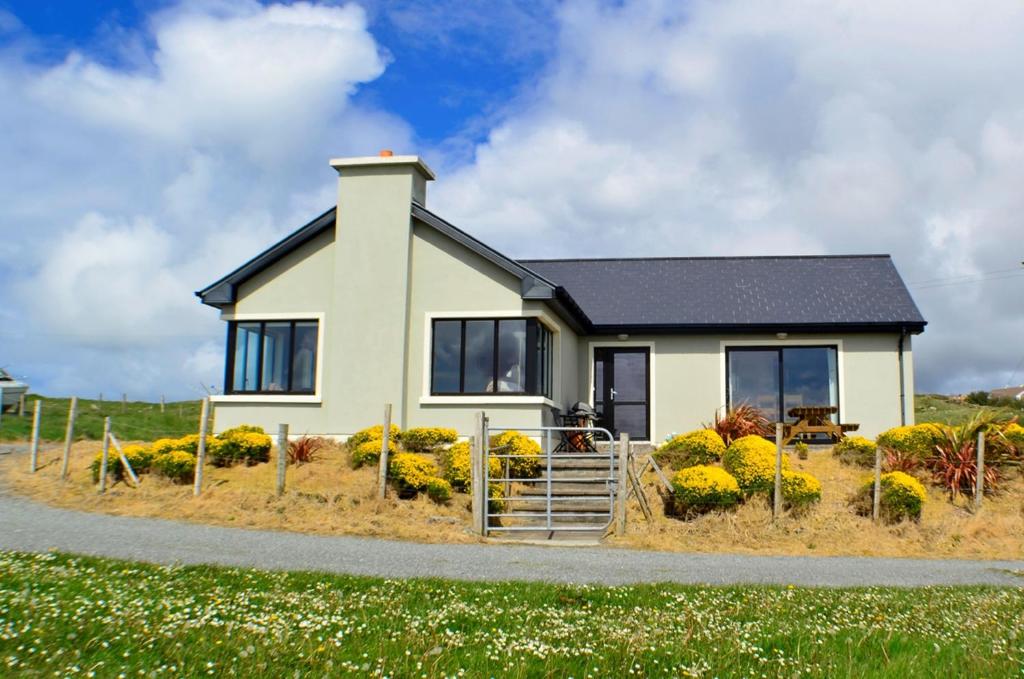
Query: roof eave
911	327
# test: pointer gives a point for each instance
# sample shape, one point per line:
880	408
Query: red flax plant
305	449
954	465
743	420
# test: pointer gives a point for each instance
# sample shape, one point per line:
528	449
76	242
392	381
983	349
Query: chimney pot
386	153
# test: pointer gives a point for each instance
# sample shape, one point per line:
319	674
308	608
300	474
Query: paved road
28	526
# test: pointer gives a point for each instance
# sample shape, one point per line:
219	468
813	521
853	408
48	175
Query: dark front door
622	390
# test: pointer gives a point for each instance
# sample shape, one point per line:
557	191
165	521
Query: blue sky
448	80
151	147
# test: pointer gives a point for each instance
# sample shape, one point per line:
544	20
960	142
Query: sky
150	147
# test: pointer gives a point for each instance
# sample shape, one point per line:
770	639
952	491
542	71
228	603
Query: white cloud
743	127
125	189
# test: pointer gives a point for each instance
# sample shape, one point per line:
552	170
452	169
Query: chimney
372	251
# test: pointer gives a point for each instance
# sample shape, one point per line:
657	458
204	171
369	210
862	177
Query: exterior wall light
781	335
623	336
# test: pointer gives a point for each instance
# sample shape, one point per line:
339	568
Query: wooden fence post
34	455
69	433
21	406
477	462
163	403
385	443
622	490
105	456
777	499
876	506
204	424
979	487
282	456
124	402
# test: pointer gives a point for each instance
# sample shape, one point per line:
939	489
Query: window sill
266	398
487	400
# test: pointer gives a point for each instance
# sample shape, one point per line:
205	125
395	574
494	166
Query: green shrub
702	446
234	446
371	433
368	452
751	459
526	463
439	490
176	465
428	439
701	488
917	440
801	449
800	490
855	450
902	497
411	472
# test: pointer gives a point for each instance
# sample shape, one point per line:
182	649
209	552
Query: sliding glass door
777	379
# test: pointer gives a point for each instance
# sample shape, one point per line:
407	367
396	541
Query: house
1016	393
380	300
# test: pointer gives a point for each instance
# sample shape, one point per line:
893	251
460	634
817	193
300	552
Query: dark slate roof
735	292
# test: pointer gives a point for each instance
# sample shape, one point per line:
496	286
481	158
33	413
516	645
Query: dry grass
328	497
325	497
945	530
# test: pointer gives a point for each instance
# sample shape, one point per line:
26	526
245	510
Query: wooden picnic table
815	420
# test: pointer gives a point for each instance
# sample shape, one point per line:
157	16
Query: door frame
651	374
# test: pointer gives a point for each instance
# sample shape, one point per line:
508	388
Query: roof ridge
698	258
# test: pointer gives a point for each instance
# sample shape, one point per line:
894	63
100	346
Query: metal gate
570	486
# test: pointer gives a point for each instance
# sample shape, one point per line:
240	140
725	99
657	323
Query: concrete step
559	488
565	505
524	520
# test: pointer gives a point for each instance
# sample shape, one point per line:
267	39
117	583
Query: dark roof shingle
859	290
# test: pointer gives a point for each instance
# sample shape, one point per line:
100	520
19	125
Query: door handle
613	392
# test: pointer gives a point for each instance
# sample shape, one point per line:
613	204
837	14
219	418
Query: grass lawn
63	615
937	408
135	420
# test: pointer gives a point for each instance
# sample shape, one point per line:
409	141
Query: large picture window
776	379
490	356
271	357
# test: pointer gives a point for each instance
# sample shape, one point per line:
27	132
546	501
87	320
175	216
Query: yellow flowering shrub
701	488
917	440
702	446
371	433
526	463
455	465
427	439
855	450
1014	433
800	490
903	496
139	457
439	490
177	465
368	452
751	459
411	472
188	444
238	445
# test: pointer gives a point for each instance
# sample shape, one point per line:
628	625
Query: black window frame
782	415
229	372
539	349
